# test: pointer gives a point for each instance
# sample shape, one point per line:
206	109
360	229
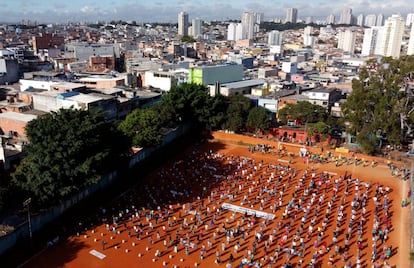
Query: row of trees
192	103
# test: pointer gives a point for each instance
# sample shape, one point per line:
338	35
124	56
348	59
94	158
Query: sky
50	11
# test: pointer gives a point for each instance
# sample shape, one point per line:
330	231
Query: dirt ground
178	219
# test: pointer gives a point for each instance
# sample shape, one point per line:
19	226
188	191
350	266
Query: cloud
88	9
160	11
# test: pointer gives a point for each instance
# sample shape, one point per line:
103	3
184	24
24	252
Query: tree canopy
237	112
67	151
303	111
143	127
187	39
189	103
258	119
381	103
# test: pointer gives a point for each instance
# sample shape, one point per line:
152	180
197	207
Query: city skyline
166	11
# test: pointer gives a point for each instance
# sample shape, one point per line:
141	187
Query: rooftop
95	78
68	85
146	94
244	83
108	91
18	117
322	90
86	98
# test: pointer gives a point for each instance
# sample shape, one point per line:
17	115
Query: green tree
381	103
218	107
258	119
303	111
143	127
167	115
237	112
318	127
189	103
187	39
67	150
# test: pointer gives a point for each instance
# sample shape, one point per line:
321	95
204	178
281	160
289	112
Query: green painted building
210	74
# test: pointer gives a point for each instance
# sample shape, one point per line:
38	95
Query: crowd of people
320	218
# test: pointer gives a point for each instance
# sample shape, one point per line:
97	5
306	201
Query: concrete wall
51	214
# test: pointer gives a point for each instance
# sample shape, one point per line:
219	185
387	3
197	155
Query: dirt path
190	191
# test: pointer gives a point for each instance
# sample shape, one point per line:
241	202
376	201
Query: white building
291	15
248	21
410	50
183	23
160	79
370	20
289	67
360	20
235	31
259	17
380	20
370	41
409	20
330	19
309	20
346	40
346	16
308	39
231	31
308	30
390	37
196	27
275	38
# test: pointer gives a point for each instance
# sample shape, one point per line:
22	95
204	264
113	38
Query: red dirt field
177	220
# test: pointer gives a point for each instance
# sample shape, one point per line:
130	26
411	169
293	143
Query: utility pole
26	203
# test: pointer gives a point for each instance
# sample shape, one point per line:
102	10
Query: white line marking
97	254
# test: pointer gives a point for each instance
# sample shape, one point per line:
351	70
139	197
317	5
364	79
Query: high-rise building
235	31
231	31
248	21
259	17
275	38
308	30
330	19
309	20
308	39
346	16
370	40
183	23
239	32
390	37
346	40
409	20
196	27
370	20
380	20
360	20
291	15
410	50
